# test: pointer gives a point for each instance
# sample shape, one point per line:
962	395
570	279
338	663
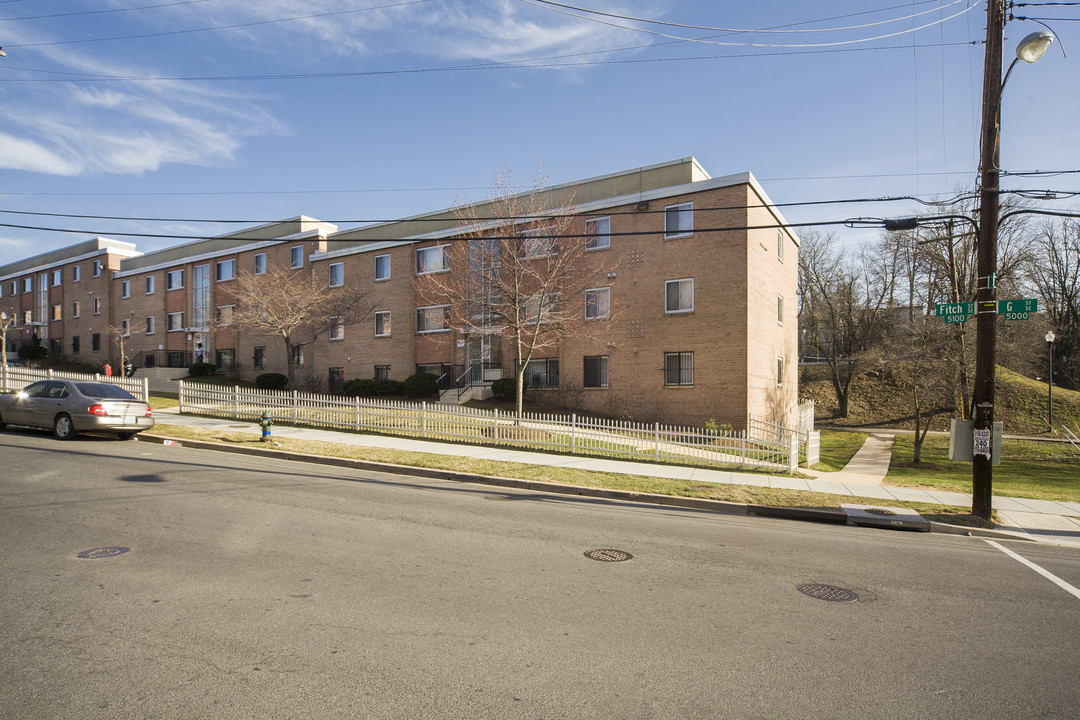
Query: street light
1030	49
1050	377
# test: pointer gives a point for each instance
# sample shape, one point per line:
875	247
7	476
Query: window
149	360
596	371
779	309
174	279
433	319
225	314
176	321
298	356
28	317
225	359
433	259
75	344
75	306
97	268
28	284
382	323
337	329
382	372
678	368
125	327
55	314
382	267
55	347
95	342
538	242
258	358
779	372
125	289
597	303
679	296
542	373
76	273
540	307
598	231
226	270
14	287
97	306
296	256
149	284
260	263
150	322
57	278
780	245
337	274
336	381
679	220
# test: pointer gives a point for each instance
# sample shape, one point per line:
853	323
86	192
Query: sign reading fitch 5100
1011	309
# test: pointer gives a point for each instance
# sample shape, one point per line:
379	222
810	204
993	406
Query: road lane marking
1045	573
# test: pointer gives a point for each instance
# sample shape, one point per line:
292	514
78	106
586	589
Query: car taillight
98	409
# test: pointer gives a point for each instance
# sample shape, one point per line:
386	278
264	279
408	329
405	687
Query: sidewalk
1041	520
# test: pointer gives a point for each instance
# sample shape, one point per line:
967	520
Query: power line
103	12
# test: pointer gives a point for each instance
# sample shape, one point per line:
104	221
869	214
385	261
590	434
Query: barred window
678	368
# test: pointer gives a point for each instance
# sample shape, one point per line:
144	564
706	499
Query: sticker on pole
982	442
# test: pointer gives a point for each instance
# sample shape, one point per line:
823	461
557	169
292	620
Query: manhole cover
879	511
608	555
103	552
827	592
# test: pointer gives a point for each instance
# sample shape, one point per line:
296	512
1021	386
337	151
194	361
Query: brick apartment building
702	296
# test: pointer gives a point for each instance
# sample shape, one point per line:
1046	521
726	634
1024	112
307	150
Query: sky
352	111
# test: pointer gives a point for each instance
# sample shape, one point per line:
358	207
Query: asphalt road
256	588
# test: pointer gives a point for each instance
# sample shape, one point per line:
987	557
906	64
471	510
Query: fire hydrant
265	421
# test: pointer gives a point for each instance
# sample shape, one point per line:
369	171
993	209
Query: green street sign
949	309
1018	309
953	319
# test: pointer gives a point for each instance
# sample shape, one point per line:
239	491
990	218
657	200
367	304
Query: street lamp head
1034	46
1050	336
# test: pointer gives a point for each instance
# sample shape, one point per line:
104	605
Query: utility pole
982	473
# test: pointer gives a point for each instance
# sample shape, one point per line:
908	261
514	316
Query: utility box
962	442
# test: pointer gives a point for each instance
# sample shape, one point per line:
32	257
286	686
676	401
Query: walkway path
861	478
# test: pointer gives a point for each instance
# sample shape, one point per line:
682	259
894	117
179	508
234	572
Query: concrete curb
940	527
837	517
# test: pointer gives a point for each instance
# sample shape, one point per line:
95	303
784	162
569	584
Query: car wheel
63	429
2	423
125	435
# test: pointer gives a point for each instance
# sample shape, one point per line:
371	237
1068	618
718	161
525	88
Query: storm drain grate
879	511
608	555
827	592
103	552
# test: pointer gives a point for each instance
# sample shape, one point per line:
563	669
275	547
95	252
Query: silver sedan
69	407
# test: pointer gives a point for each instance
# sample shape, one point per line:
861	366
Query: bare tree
919	365
294	306
1055	272
520	272
120	335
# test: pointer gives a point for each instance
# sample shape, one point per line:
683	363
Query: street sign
1018	309
946	309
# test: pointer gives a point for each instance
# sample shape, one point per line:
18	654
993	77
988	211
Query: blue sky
376	109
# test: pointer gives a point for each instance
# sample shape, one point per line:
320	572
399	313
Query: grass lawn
1028	469
567	476
837	448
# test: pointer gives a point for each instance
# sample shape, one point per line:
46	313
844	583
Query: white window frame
444	261
259	263
340	268
679	310
57	278
380	278
683	210
420	310
296	259
75	307
56	312
538	243
174	280
151	284
596	294
779	371
125	289
28	284
606	363
337	328
780	245
598	238
97	306
780	310
224	314
175	322
151	324
125	327
76	273
385	323
97	268
225	270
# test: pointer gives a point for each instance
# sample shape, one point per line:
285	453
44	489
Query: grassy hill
876	401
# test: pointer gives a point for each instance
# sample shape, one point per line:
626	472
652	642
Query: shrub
271	381
505	389
422	385
33	354
366	387
202	369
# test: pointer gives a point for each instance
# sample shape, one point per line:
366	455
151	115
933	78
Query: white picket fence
16	378
767	445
